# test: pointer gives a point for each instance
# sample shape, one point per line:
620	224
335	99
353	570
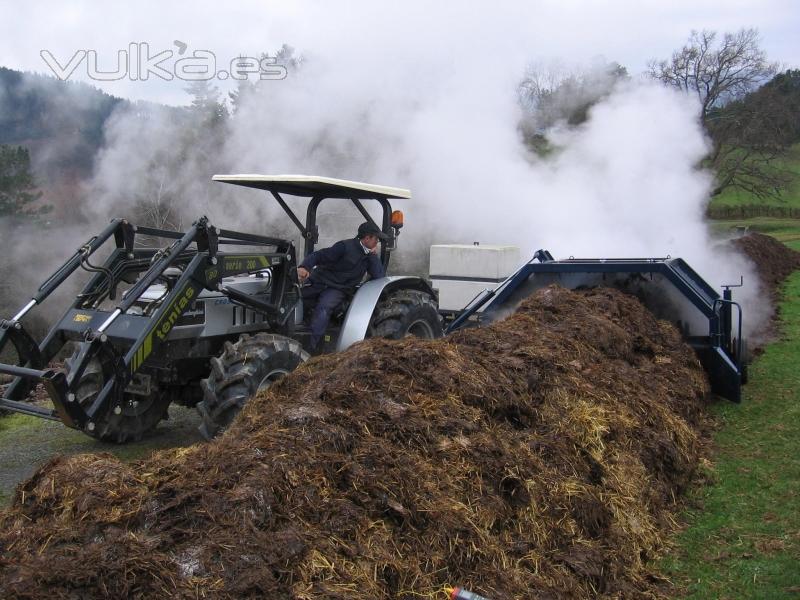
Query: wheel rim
134	405
91	383
421	329
271	378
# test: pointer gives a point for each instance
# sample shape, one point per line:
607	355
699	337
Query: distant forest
38	109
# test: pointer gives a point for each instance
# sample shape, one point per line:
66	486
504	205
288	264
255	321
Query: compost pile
774	261
537	457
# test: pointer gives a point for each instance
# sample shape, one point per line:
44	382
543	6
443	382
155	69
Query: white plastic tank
459	272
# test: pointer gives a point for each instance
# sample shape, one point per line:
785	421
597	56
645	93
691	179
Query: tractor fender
356	321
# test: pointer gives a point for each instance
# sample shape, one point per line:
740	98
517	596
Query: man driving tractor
330	274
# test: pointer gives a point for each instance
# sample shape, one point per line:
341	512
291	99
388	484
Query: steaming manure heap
773	260
539	457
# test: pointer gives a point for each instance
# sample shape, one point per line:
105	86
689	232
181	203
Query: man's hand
302	274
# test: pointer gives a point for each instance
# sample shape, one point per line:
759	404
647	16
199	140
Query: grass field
742	534
790	198
750	206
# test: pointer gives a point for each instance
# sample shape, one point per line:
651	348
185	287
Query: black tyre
406	313
128	422
250	365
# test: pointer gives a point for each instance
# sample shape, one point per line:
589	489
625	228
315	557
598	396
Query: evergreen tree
206	103
243	89
18	190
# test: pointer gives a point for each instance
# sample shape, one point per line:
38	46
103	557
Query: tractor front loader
207	321
128	366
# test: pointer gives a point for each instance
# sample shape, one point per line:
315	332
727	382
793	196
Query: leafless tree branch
723	73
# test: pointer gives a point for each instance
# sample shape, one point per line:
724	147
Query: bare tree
539	81
157	209
723	73
716	73
749	137
552	95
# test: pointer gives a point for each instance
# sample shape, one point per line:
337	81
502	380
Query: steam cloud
414	97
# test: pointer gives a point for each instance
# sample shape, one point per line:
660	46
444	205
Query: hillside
737	204
61	122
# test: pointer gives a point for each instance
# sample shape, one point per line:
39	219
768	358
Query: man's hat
371	229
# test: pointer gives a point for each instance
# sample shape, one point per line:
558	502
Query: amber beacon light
397	218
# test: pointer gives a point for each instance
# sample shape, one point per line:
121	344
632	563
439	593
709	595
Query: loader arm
123	341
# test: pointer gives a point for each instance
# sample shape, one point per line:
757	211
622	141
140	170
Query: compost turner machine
711	323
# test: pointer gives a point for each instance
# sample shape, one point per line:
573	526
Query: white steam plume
423	97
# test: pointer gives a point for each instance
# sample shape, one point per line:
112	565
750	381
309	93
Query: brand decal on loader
81	318
164	326
181	302
245	263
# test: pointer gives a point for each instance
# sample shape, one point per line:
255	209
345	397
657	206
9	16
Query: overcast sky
566	30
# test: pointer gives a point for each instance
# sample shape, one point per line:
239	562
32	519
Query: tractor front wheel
127	422
243	369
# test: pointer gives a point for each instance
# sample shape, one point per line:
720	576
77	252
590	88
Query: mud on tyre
406	313
250	365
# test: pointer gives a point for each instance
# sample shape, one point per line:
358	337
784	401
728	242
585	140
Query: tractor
207	321
216	316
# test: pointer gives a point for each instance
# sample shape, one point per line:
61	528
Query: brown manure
774	260
539	457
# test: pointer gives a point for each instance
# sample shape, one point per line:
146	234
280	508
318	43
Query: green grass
742	538
791	163
789	200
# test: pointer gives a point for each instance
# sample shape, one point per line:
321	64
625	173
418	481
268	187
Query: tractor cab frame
319	189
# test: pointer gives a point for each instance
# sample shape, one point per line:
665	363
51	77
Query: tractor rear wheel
128	422
406	313
243	369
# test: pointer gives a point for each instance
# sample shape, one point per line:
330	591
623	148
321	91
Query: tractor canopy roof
315	186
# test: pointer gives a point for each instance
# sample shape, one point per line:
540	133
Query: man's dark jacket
343	265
